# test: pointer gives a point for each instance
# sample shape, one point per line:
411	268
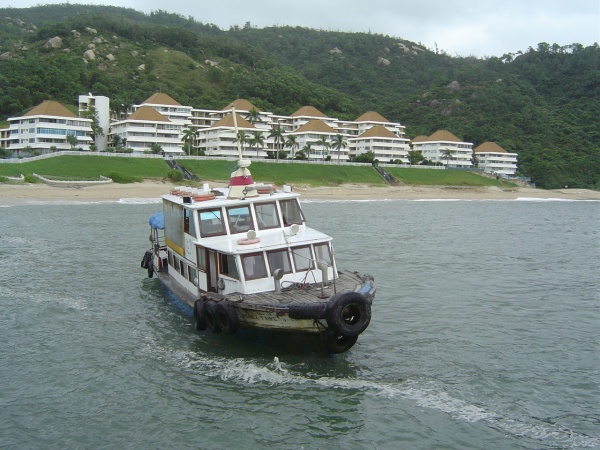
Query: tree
415	157
72	140
292	143
277	135
188	139
306	150
447	153
338	142
325	144
155	148
257	139
242	138
253	116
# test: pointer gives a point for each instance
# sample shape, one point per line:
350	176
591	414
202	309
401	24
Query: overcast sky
458	27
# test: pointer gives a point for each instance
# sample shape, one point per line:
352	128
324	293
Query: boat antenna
241	184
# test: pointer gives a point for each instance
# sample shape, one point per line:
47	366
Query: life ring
227	318
199	316
266	189
338	343
203	198
348	313
211	317
246	241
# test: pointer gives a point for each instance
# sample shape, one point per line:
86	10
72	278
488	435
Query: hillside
542	104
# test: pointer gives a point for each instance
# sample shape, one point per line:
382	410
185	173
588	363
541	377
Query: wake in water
425	394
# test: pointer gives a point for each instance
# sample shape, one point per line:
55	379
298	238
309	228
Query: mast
241	184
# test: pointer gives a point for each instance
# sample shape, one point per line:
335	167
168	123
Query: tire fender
227	317
199	315
211	317
348	313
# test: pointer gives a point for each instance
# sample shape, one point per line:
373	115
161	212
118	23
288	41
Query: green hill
542	103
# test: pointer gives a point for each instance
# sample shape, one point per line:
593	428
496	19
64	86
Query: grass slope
92	166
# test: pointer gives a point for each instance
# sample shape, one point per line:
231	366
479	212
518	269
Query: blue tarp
157	221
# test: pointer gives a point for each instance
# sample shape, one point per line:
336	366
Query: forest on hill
542	103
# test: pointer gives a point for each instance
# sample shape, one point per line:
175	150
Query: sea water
485	334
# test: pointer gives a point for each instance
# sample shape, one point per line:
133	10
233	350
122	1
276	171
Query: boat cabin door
212	272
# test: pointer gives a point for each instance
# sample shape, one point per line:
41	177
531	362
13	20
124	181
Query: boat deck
298	294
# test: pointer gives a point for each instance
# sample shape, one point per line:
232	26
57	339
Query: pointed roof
419	138
315	125
149	114
489	147
444	136
241	104
378	131
371	116
50	108
160	98
308	111
227	121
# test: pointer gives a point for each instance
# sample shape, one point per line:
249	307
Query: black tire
150	269
199	316
338	343
227	318
211	317
146	259
348	313
310	311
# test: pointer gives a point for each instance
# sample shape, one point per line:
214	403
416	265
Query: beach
25	193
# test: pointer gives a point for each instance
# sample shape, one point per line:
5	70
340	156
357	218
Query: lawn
89	166
432	177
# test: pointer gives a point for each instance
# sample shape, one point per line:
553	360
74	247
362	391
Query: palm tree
306	149
338	142
277	135
257	139
188	139
292	143
448	155
242	138
253	116
325	144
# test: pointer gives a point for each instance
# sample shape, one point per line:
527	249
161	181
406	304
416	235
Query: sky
458	27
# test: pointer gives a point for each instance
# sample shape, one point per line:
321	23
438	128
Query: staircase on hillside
187	175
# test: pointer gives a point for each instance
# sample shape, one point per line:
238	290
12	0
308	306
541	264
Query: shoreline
23	194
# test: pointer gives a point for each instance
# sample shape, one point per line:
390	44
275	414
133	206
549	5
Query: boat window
182	267
211	222
290	209
173	215
279	259
201	258
239	219
191	273
322	253
302	258
254	266
227	266
188	222
266	215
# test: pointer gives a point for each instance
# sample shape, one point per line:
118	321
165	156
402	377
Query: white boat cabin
245	245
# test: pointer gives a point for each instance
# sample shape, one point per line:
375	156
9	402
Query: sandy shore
22	194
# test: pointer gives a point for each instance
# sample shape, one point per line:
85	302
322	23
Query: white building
443	147
385	145
100	106
314	137
220	139
45	127
145	127
494	159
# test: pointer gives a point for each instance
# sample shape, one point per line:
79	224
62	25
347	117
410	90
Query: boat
243	257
